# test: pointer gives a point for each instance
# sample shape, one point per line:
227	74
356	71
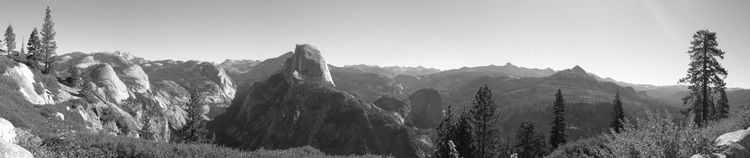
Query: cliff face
136	92
299	106
427	108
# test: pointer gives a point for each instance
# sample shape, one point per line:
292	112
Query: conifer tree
722	109
195	129
463	136
445	132
49	46
557	134
10	40
34	47
618	115
528	143
485	121
705	75
23	48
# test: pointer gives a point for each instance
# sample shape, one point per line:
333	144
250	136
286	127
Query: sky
636	41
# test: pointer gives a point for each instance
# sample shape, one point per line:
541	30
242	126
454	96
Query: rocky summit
307	65
300	106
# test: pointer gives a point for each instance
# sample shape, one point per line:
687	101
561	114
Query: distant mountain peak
307	64
577	69
508	64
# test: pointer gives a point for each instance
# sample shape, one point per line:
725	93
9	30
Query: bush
49	81
108	115
583	148
6	63
102	145
657	135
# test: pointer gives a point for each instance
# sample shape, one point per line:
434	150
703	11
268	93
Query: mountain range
297	99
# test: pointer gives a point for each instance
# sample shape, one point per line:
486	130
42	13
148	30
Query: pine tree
463	136
557	135
528	143
618	115
722	109
10	39
485	120
705	75
445	134
195	129
49	46
23	49
34	47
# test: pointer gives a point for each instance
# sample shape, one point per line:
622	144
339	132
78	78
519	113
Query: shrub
6	63
583	148
49	81
656	135
102	145
108	115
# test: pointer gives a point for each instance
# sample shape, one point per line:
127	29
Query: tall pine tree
49	45
34	49
528	143
195	129
463	136
445	134
705	75
10	40
485	121
557	135
618	115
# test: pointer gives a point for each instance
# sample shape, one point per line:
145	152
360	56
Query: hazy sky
639	41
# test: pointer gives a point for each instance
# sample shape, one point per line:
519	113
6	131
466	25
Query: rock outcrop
427	108
300	106
12	150
137	91
8	148
7	131
732	145
136	79
208	79
22	75
104	77
307	64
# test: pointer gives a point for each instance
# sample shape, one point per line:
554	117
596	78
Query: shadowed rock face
299	106
427	108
